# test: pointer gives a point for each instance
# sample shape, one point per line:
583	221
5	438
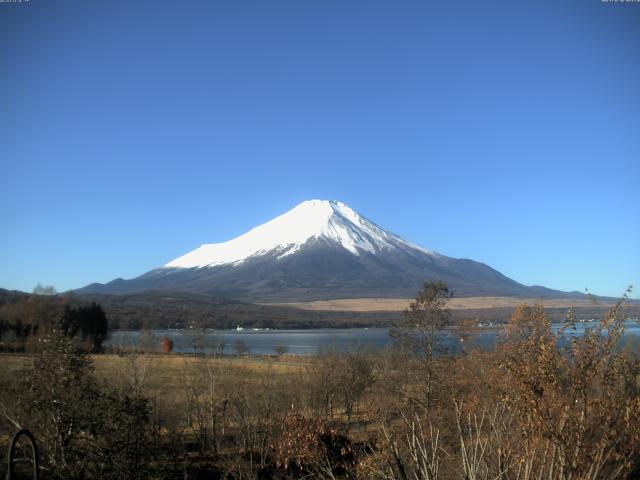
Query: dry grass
463	303
172	367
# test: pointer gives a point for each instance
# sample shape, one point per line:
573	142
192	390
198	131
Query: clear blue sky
503	131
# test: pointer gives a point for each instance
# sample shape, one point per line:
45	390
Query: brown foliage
313	447
167	344
545	404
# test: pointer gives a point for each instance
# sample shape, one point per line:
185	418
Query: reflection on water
312	342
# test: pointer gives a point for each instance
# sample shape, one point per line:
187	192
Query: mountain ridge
319	250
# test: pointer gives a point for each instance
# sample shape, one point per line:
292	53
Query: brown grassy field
169	370
465	303
391	414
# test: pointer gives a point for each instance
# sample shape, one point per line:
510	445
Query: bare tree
241	347
40	289
425	316
322	375
280	350
354	376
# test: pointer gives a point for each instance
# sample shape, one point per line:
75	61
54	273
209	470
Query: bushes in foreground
538	407
83	431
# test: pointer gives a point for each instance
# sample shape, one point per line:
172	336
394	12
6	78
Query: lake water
312	342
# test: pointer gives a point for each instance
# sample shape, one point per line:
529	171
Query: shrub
167	344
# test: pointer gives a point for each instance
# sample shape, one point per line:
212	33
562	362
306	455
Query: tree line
27	318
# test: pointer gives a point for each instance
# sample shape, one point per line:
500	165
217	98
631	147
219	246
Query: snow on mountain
319	250
311	220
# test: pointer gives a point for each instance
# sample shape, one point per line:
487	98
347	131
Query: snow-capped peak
287	233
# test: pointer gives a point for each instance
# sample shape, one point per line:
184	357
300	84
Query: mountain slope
319	250
285	235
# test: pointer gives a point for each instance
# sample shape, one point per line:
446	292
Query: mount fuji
319	250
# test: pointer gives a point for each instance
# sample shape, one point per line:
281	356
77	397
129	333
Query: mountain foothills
319	250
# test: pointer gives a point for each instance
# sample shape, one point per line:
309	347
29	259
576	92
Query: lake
312	342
